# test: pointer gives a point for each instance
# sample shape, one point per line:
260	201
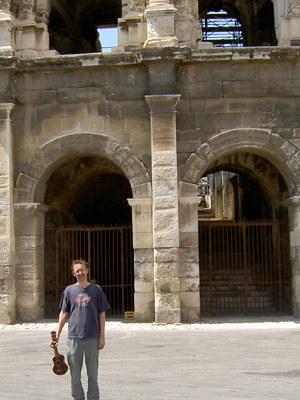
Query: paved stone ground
223	359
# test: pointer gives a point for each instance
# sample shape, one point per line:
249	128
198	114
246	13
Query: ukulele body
60	367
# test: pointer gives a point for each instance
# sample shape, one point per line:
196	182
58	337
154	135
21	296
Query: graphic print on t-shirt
83	299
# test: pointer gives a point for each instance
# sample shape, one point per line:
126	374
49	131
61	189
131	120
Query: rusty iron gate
109	253
244	268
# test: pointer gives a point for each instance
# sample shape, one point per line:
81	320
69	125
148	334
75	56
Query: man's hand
101	343
54	344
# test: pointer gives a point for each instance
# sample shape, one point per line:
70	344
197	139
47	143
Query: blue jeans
76	349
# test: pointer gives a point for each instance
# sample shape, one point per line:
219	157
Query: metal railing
109	253
244	268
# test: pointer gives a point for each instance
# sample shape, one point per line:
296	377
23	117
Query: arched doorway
243	238
89	217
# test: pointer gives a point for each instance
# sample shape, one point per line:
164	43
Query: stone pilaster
29	227
287	22
143	258
133	7
6	29
31	30
189	258
293	204
160	16
7	270
132	31
165	207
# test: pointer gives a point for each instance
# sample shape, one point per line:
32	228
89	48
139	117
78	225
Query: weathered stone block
4	226
139	128
7	309
26	286
27	308
166	285
165	301
79	95
7	286
164	158
189	270
168	316
143	287
164	173
52	125
163	188
166	220
36	97
25	272
115	124
166	202
143	240
5	257
5	243
144	301
143	256
167	270
188	255
166	255
144	271
190	300
160	145
189	285
6	272
188	239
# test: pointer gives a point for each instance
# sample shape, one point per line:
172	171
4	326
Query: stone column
165	207
143	259
160	17
29	227
293	204
6	29
189	258
7	270
187	23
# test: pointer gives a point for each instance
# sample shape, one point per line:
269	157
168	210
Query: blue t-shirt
84	306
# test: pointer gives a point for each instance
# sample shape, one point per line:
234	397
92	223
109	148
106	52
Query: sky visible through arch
108	38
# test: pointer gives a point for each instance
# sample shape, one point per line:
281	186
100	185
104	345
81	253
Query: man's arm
101	341
63	316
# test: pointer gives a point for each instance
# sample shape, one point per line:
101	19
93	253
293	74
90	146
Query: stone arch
31	183
263	142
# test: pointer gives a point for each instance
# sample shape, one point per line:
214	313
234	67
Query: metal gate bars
108	251
244	268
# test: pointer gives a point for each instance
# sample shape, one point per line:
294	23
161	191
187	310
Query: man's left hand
101	343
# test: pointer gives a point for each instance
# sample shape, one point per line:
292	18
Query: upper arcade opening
73	24
232	23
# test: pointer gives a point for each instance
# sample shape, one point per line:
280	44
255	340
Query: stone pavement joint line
238	324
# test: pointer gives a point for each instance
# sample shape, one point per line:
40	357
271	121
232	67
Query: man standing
85	304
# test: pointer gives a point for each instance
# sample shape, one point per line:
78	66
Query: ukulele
60	367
